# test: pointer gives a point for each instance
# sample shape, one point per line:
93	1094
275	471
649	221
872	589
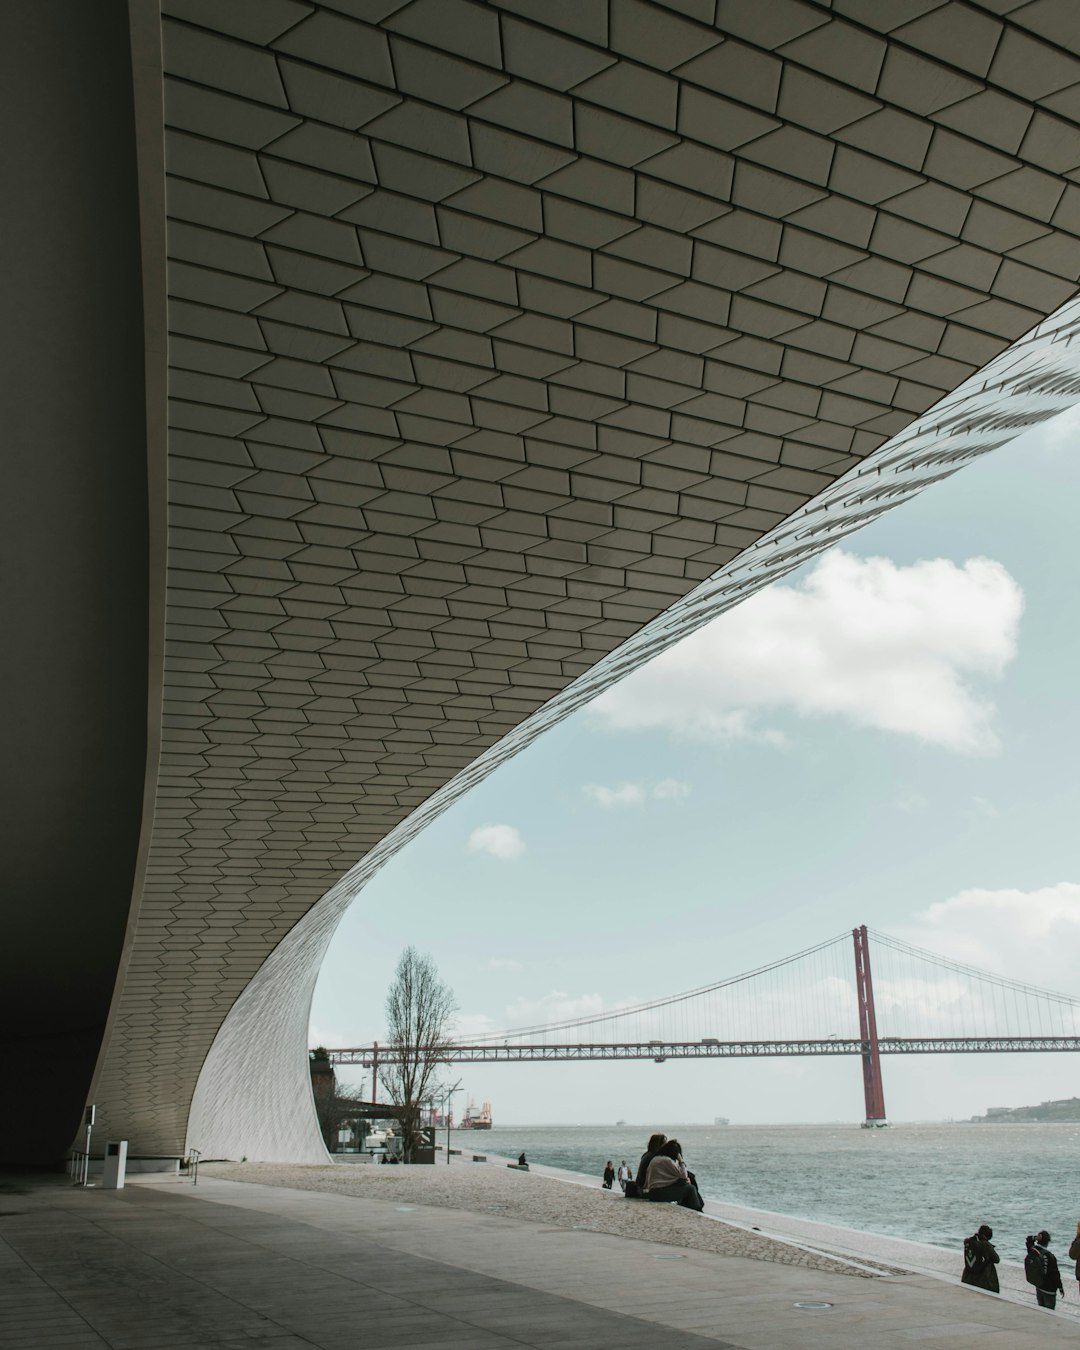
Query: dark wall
73	535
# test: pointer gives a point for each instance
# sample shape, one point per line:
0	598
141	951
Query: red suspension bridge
805	1004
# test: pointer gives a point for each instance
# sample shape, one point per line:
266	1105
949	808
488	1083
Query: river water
926	1183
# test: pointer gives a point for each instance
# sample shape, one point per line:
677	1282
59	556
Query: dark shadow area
74	574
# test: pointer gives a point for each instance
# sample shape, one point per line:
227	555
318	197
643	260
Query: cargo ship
476	1120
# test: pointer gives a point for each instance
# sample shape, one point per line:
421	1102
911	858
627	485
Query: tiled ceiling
494	329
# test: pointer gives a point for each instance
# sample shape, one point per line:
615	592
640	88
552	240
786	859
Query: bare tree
419	1009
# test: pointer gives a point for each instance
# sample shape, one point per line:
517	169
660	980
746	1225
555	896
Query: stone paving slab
729	1300
162	1266
153	1269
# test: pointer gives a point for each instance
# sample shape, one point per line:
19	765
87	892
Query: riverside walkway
163	1266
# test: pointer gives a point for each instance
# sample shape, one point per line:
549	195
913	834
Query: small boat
720	1120
620	1122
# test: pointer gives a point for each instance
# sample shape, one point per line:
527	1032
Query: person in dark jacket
1041	1270
1074	1253
980	1258
668	1182
652	1148
609	1175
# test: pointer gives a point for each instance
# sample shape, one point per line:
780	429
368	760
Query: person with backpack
980	1258
1041	1270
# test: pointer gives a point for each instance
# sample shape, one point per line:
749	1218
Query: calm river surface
927	1183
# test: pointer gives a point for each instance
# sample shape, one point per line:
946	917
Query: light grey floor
918	1257
160	1266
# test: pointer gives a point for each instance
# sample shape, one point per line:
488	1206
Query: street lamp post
449	1097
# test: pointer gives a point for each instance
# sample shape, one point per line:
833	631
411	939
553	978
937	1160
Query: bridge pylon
873	1090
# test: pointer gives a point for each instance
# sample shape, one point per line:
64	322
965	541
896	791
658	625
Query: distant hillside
1066	1111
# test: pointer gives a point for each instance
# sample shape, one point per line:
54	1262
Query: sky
890	737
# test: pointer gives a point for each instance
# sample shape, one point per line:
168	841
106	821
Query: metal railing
79	1166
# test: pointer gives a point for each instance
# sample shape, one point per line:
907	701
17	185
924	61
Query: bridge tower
873	1091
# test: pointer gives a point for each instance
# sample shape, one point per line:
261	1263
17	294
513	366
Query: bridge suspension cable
653	1005
922	993
973	972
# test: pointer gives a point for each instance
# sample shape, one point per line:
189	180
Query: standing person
1041	1270
980	1258
668	1182
609	1175
624	1177
652	1148
1074	1253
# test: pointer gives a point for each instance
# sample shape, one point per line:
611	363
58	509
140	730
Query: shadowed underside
495	330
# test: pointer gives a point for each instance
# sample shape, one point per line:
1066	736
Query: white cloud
500	841
911	803
1027	935
503	963
469	1025
626	794
636	794
984	808
896	648
558	1006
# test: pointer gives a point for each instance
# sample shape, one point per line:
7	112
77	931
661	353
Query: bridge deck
715	1049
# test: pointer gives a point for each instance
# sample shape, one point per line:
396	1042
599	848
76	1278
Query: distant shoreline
1064	1111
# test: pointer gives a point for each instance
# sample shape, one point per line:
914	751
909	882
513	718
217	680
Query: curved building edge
253	1097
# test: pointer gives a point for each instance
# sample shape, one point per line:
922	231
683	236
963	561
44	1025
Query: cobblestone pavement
492	1188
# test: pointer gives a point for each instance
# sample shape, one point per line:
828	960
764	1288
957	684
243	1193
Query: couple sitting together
662	1175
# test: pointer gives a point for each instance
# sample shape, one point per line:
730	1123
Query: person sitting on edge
652	1148
521	1160
667	1181
1074	1253
1041	1270
980	1258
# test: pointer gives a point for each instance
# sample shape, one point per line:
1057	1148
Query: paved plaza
163	1266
